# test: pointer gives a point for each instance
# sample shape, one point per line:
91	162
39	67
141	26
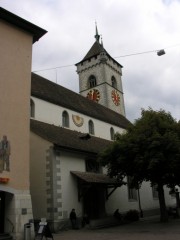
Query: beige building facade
17	36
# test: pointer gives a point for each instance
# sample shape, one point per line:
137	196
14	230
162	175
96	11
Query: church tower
100	77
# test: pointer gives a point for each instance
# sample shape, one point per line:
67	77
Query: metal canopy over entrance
89	179
93	190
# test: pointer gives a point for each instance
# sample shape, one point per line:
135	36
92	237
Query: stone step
5	236
104	223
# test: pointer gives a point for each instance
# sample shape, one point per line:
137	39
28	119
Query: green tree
148	151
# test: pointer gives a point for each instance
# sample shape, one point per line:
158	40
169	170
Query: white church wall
51	113
119	199
71	162
47	112
147	200
170	200
146	197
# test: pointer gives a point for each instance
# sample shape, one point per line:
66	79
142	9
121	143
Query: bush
132	215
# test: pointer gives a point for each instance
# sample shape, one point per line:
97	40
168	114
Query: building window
113	82
132	192
92	81
91	127
112	133
154	192
32	109
65	119
92	166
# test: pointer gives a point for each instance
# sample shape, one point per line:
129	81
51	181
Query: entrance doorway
94	202
2	211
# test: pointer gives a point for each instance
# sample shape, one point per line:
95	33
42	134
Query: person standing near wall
73	219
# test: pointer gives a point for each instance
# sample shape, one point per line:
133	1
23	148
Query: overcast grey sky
127	27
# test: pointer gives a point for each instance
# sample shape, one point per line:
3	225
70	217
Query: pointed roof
96	49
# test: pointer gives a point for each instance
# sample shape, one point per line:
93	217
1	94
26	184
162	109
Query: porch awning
90	177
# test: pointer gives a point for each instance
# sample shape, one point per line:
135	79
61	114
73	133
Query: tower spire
97	36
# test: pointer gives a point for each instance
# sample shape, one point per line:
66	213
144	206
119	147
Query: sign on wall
5	151
43	230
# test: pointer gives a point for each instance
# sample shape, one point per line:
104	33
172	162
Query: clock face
115	97
94	95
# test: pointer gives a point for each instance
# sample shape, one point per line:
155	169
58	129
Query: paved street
146	229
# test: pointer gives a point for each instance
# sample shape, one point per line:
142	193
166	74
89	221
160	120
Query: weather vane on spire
101	41
97	36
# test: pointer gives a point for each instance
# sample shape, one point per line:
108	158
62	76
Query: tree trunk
163	209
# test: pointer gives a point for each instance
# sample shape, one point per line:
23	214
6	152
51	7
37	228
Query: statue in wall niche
5	151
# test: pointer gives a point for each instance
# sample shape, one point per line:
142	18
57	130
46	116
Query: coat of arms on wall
5	151
78	121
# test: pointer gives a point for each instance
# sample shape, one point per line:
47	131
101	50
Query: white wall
147	200
119	199
71	162
51	113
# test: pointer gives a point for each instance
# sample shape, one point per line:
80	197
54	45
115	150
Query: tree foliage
148	151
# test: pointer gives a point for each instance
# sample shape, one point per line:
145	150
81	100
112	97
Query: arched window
91	127
32	109
113	82
112	133
92	81
65	119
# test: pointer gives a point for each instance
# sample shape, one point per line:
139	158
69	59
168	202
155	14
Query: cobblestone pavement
146	229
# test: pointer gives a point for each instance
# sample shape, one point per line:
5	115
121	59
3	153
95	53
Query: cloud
127	27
